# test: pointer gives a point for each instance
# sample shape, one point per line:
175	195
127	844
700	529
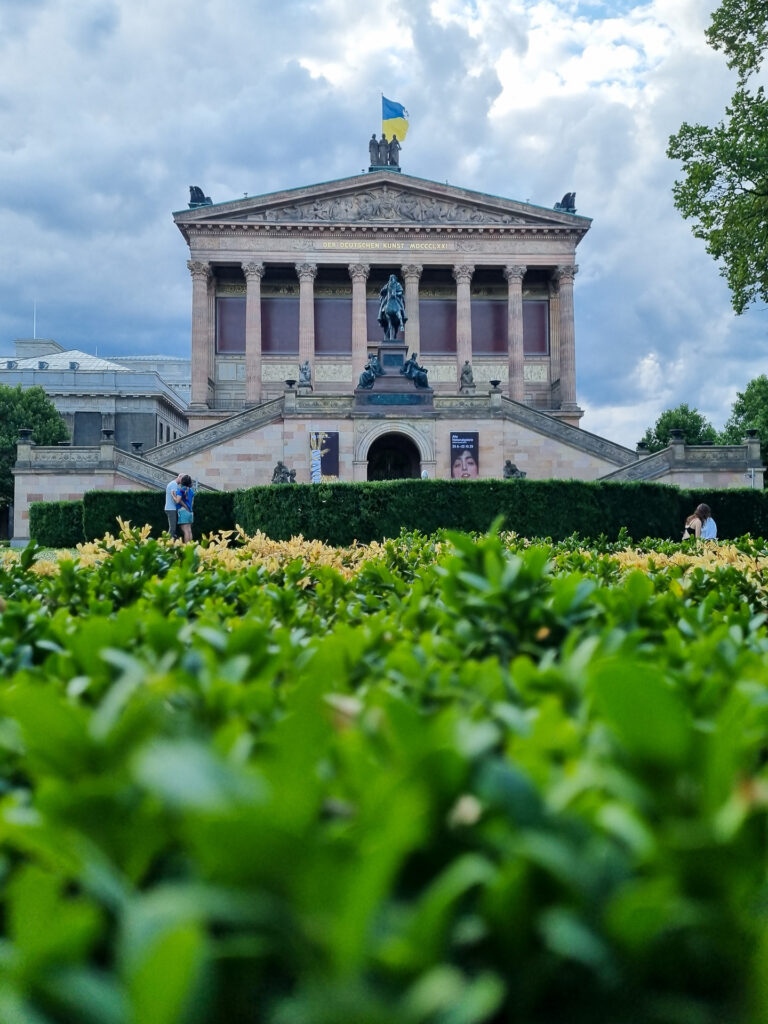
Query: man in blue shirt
171	508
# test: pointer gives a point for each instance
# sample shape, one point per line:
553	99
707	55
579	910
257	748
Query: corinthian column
463	275
201	330
307	273
564	276
359	274
411	276
253	275
514	276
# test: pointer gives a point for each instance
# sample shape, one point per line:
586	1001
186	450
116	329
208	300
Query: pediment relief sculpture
383	205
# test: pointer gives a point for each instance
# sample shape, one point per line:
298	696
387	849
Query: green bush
56	524
340	513
475	782
213	511
102	508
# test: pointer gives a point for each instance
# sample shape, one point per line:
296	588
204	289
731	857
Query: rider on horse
392	308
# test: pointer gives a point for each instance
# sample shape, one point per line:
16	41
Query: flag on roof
394	119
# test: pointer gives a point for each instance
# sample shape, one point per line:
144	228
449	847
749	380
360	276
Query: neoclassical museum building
289	363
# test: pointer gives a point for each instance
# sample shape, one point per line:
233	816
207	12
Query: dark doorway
393	457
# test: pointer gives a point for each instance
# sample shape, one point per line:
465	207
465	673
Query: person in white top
701	524
171	508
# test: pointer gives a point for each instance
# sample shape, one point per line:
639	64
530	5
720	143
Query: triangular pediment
382	198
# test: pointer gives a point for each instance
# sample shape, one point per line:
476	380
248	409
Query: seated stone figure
282	475
416	373
370	373
511	472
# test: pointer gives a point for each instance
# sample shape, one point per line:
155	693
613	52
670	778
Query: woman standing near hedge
701	524
184	498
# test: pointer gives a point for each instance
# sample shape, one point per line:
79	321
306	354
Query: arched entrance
393	457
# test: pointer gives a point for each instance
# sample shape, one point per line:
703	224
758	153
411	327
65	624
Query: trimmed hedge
213	511
56	524
340	513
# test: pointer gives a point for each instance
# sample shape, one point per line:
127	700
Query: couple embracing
179	497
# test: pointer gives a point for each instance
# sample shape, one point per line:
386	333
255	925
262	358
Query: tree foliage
750	410
695	427
724	188
20	408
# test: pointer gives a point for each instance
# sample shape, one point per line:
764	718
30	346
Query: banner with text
465	455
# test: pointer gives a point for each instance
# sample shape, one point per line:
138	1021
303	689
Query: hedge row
56	524
63	524
343	512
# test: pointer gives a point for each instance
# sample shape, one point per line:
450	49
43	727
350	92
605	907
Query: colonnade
203	324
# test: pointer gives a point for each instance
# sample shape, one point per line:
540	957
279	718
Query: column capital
199	270
463	272
306	271
515	273
412	270
359	271
565	272
253	270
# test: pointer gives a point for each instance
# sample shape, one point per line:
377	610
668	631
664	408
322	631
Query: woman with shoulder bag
186	496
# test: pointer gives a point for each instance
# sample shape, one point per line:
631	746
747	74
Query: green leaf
643	709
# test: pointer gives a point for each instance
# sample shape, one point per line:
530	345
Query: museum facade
290	369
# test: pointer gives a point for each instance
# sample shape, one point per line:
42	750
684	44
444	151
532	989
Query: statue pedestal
468	389
393	388
305	389
392	357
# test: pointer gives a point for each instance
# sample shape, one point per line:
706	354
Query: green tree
750	410
724	189
24	408
695	427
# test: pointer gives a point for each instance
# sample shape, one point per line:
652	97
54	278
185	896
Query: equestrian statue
392	309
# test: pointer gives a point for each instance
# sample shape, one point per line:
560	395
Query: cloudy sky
110	109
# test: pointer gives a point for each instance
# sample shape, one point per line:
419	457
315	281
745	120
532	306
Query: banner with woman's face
465	455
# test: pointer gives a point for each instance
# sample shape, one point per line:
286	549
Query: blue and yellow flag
394	119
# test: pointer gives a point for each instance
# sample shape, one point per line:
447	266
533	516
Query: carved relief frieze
273	372
321	404
440	373
65	458
338	370
535	373
383	205
487	371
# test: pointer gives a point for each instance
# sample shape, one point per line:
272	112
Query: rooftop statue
392	309
198	198
568	203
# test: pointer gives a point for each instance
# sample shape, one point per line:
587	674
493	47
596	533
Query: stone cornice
696	459
381	200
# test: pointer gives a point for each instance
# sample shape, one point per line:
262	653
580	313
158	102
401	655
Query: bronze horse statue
392	309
